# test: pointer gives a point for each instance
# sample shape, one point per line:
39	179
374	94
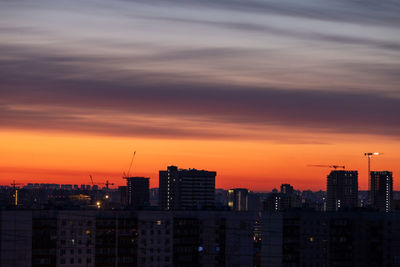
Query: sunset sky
253	89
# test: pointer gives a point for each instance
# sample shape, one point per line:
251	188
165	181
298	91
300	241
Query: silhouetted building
115	239
342	190
396	204
287	189
154	196
284	200
138	191
255	202
272	202
108	238
221	198
123	195
66	186
343	238
238	199
211	238
191	189
44	241
382	190
75	237
16	238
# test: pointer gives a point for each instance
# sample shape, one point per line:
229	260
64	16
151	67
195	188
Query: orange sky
29	156
254	91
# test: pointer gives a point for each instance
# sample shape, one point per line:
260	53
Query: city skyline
255	90
107	183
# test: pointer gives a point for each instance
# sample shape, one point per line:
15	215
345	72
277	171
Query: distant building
288	198
154	196
221	198
342	190
287	189
80	199
282	201
66	186
382	190
138	191
238	199
123	195
191	189
255	202
272	202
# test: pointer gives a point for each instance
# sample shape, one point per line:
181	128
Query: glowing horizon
74	157
255	90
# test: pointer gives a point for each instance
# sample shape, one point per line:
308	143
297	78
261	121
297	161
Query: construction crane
369	155
126	175
107	183
91	179
14	184
329	166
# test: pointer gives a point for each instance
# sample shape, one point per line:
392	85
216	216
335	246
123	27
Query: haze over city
255	90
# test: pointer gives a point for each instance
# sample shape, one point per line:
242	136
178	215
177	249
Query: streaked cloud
193	69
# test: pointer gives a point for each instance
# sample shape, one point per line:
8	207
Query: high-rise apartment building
138	191
381	190
343	238
238	199
125	238
342	190
186	189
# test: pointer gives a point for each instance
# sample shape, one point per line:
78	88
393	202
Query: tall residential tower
191	189
381	193
238	199
342	190
138	191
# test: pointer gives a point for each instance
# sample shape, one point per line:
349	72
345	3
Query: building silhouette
382	190
121	238
238	199
284	200
287	189
138	191
342	190
343	238
123	195
186	189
